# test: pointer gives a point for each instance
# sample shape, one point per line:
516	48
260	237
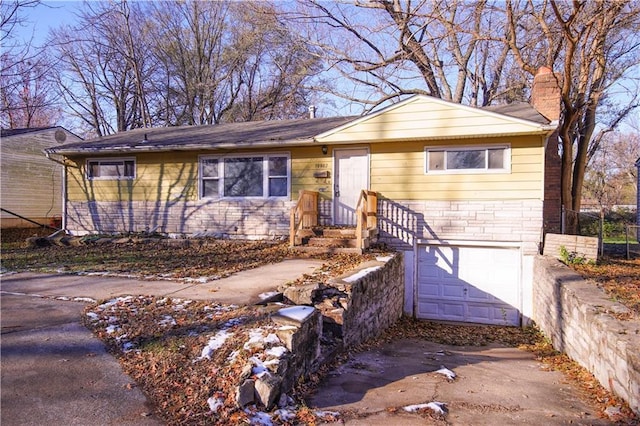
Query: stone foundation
580	321
402	223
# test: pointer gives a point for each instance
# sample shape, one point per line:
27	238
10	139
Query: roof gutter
188	147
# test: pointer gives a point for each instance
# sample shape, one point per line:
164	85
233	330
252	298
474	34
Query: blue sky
40	19
51	14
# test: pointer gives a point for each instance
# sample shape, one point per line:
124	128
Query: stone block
305	294
267	389
245	393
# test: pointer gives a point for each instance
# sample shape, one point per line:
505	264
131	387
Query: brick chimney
545	93
545	98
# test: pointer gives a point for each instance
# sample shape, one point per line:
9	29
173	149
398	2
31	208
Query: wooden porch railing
366	217
304	214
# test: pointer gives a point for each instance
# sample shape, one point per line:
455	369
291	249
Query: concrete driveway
54	372
494	386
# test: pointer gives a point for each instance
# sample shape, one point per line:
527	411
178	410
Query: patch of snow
450	375
233	356
276	351
323	414
435	406
84	299
215	403
272	339
260	419
112	329
360	274
384	258
93	316
271	362
167	321
215	343
268	295
128	346
256	338
297	313
259	368
285	415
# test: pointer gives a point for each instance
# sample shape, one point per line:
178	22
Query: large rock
305	294
245	393
267	389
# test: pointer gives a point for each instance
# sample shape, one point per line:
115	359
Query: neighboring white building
32	185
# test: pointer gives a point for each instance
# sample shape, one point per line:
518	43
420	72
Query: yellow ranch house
465	193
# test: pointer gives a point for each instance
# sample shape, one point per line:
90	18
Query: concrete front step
327	250
332	242
336	232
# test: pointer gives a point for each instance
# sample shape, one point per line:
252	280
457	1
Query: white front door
351	175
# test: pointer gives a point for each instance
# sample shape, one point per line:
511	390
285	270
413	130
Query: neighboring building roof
60	132
220	136
12	132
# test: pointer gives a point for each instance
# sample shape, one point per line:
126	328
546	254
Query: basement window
247	176
111	169
490	159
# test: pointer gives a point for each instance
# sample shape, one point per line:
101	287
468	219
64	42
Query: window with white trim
111	168
256	176
488	159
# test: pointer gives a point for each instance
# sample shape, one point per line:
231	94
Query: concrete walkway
54	372
494	386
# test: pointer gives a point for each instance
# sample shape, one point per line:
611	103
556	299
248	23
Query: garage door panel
429	290
453	291
452	311
469	283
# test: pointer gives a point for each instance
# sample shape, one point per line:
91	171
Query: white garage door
469	283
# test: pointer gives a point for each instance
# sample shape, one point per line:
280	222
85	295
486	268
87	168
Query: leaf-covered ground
160	341
619	278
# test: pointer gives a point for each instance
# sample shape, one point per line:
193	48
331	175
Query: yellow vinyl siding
304	163
165	176
427	118
159	177
401	175
397	171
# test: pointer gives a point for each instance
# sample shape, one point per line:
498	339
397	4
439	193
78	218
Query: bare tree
104	67
611	175
26	99
448	49
591	45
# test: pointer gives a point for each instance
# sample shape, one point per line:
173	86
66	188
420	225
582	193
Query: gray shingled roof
521	110
238	135
220	136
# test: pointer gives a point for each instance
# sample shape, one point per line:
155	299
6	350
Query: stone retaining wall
580	321
376	299
360	305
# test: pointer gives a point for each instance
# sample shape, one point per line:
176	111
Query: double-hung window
257	176
488	159
111	168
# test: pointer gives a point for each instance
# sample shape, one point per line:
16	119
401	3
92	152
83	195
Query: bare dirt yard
183	353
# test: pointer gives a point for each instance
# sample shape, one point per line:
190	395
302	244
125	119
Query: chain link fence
617	231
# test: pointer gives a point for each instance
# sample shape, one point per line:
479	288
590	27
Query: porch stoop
328	240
